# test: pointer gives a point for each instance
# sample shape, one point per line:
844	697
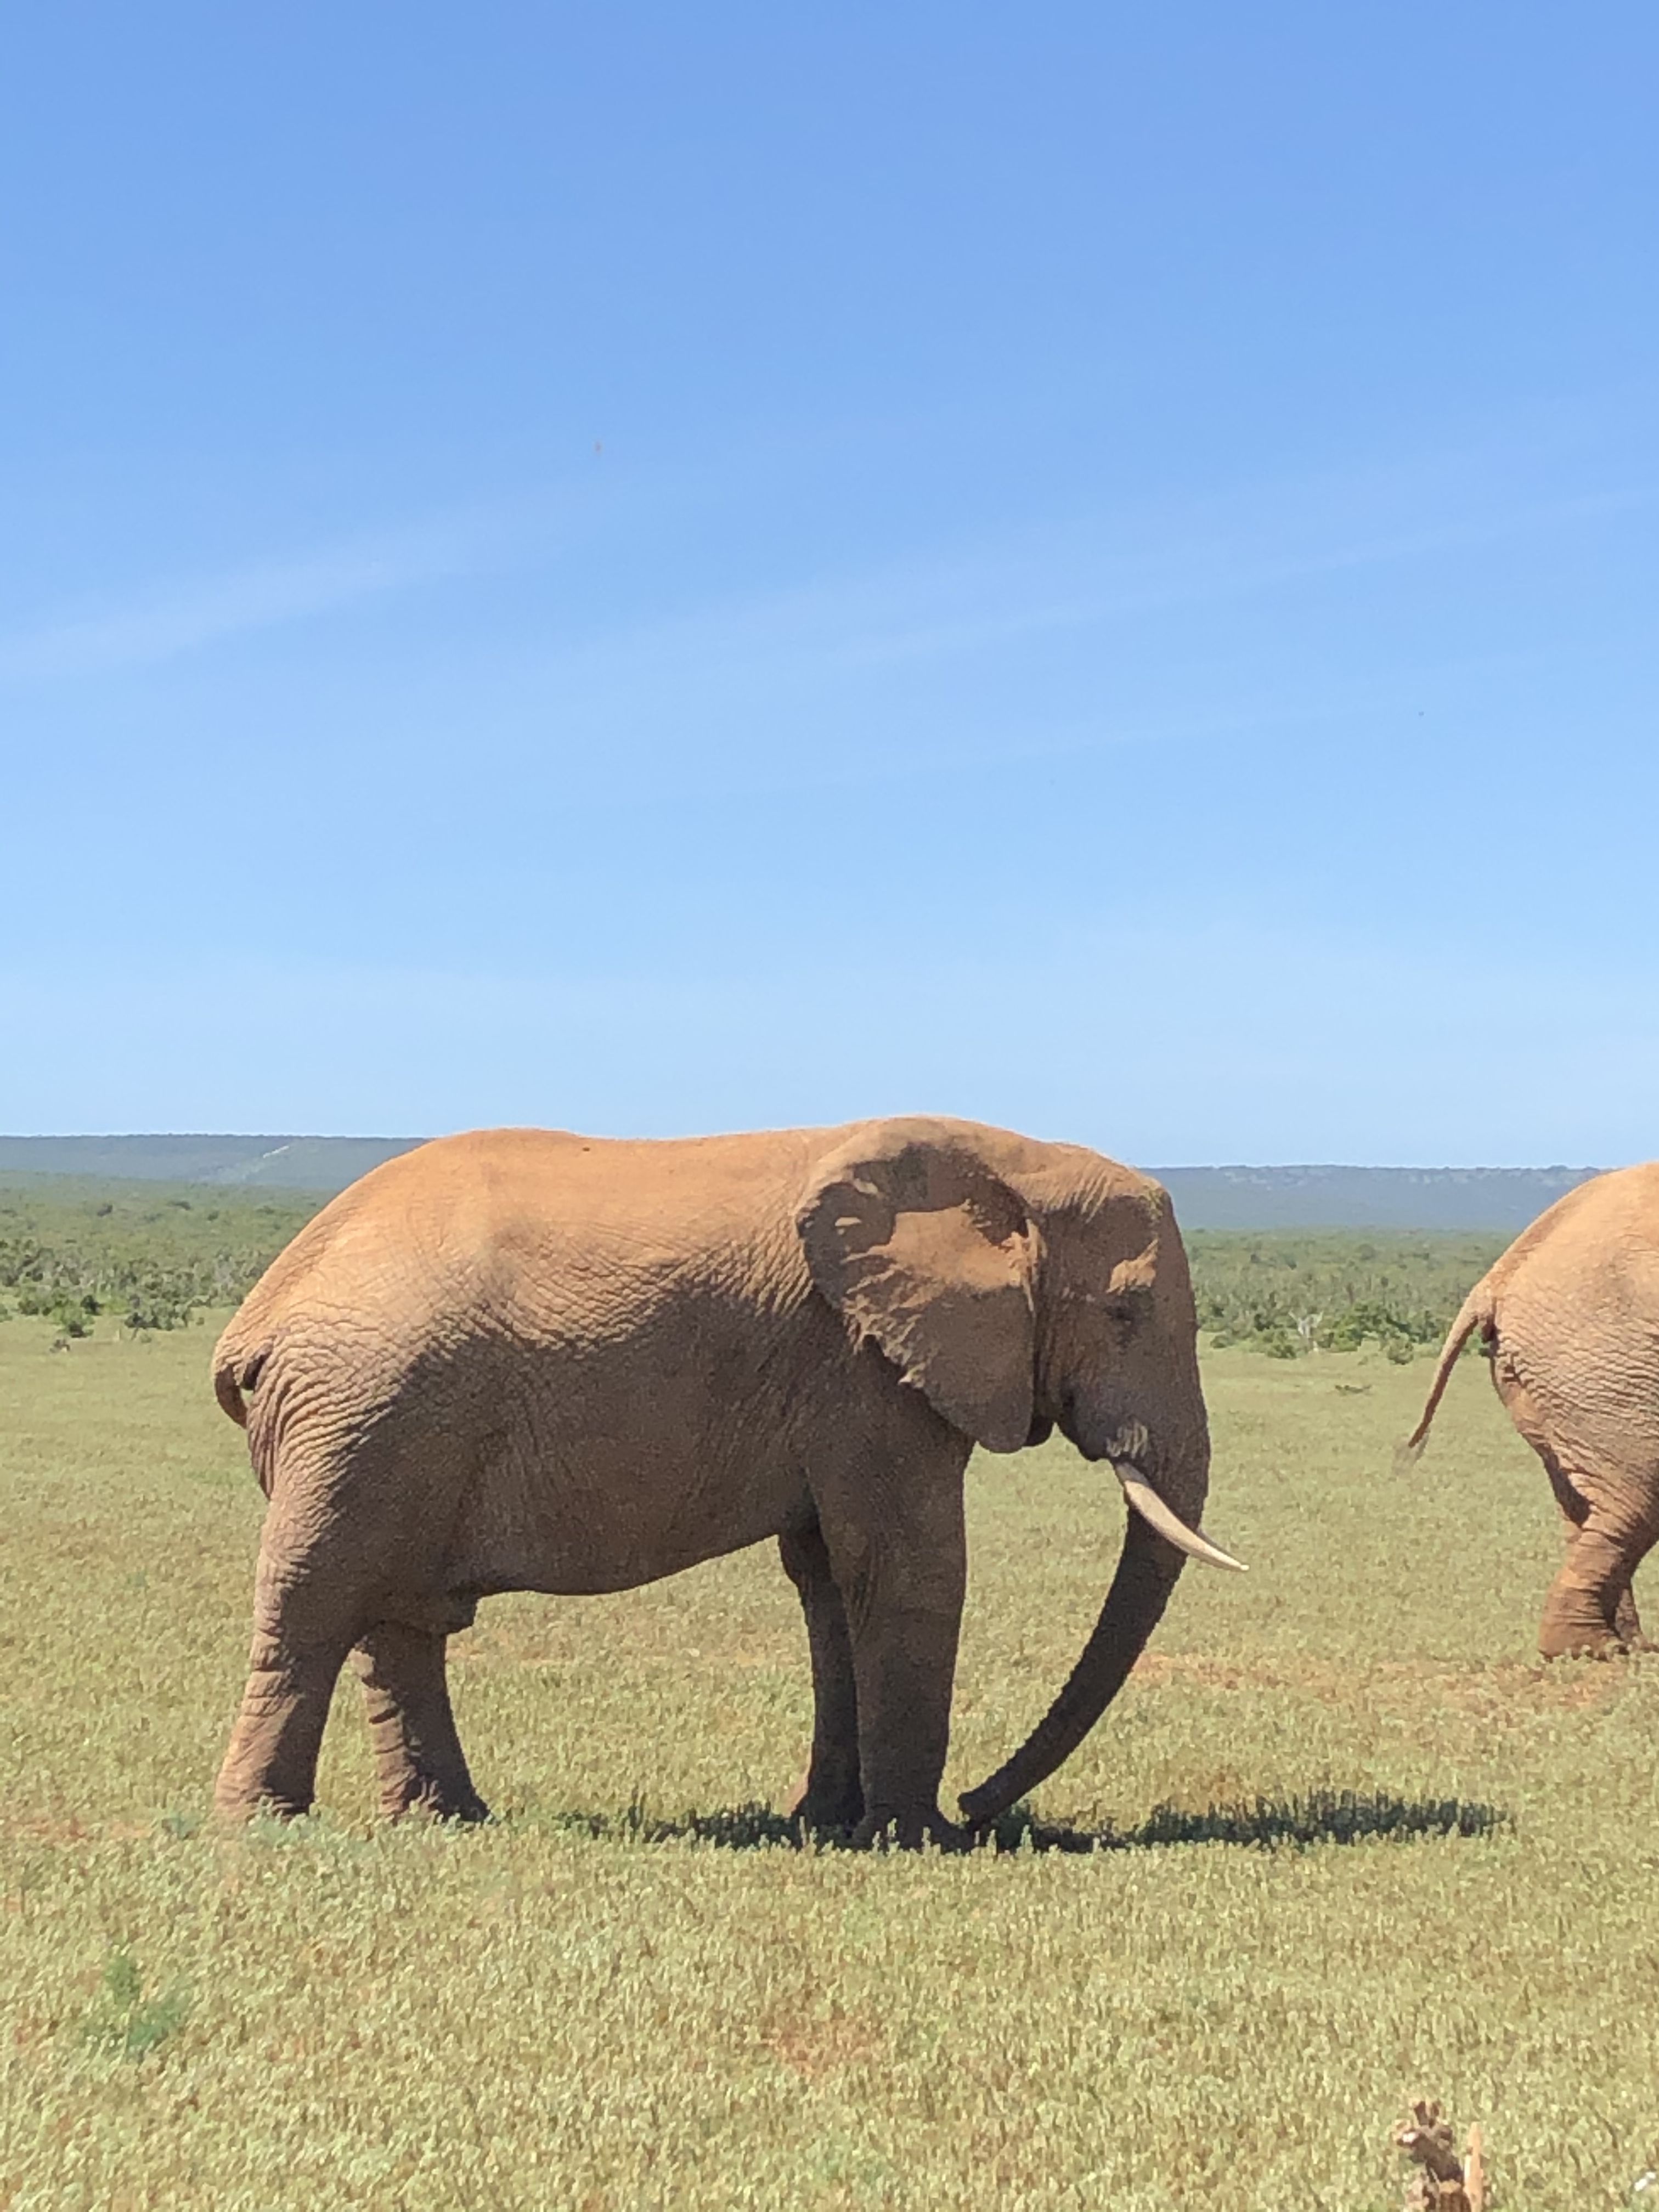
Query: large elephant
520	1360
1570	1320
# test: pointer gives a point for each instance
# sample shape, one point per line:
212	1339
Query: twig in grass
1446	2183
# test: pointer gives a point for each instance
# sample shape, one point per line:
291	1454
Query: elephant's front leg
901	1570
418	1753
833	1797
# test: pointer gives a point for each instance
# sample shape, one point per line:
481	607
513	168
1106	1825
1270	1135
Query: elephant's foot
1564	1636
234	1809
911	1831
1627	1626
420	1797
828	1803
1585	1616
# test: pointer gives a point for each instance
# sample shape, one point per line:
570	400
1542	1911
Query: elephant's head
1019	1287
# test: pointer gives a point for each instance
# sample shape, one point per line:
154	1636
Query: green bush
1290	1295
70	1251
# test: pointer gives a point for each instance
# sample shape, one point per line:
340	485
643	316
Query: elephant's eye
1123	1312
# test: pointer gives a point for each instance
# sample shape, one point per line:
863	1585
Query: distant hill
1492	1200
313	1163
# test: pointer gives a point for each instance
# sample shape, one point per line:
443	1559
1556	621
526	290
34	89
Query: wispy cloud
1056	574
919	658
183	616
979	593
1213	563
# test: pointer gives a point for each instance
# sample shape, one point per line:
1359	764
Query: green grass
1358	1846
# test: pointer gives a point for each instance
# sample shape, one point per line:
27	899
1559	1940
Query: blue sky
651	569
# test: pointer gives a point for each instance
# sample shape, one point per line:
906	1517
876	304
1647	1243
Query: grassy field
1356	1845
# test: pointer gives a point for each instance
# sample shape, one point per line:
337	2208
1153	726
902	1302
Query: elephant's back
1602	1233
461	1197
425	1304
498	1231
1578	1315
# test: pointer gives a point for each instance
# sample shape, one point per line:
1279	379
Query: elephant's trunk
1147	1572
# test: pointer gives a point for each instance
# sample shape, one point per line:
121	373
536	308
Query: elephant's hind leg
418	1753
1626	1621
1590	1608
300	1643
1589	1611
271	1762
355	1536
833	1797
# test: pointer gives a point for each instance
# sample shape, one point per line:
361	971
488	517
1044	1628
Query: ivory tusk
1153	1509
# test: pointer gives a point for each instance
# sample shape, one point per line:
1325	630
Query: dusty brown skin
521	1359
1570	1319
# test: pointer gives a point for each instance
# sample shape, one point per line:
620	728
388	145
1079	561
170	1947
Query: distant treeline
1435	1201
1287	1295
153	1254
156	1255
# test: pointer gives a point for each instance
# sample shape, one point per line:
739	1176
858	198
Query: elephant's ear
920	1245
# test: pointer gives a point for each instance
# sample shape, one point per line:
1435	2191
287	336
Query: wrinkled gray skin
1569	1317
525	1360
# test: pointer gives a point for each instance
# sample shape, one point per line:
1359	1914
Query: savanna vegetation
1333	1291
1341	1842
153	1254
150	1253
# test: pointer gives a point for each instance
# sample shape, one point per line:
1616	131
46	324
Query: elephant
522	1359
1569	1317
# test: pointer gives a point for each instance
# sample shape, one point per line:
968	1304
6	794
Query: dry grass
1358	1840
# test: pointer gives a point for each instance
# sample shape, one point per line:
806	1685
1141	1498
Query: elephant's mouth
1131	1441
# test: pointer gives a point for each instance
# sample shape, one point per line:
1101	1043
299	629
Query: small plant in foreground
1443	2182
125	2025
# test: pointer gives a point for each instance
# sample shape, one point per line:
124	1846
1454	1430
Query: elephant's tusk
1153	1509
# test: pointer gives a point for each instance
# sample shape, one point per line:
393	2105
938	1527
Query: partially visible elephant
1570	1319
521	1359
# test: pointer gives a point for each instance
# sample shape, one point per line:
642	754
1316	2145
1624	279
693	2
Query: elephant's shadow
1321	1816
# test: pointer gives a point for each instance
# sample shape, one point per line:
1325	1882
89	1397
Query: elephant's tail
1476	1312
235	1373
